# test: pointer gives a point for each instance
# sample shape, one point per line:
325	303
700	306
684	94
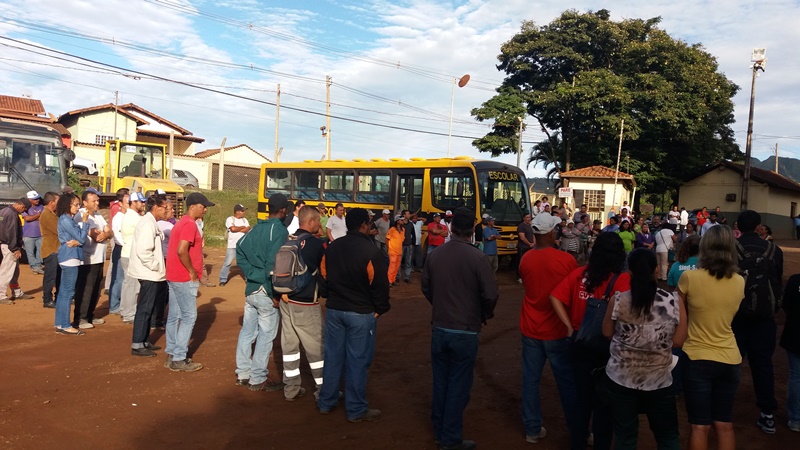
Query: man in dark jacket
756	336
255	256
11	247
353	278
301	316
458	281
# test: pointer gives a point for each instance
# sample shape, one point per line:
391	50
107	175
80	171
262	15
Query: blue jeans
69	276
453	362
793	399
408	260
117	276
183	308
350	347
260	324
33	248
230	255
534	355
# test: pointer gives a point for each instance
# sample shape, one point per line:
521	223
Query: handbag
590	334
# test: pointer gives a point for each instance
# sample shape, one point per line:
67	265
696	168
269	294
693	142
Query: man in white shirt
130	286
674	217
90	274
625	208
237	226
336	226
684	220
118	275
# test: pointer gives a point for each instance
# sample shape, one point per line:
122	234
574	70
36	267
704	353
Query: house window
594	200
100	139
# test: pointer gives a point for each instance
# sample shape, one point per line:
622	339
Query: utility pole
619	153
171	154
776	158
277	120
759	61
519	142
221	176
107	169
328	82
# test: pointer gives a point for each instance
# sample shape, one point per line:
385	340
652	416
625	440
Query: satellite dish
463	81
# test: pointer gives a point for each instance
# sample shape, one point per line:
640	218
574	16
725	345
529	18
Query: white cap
385	211
448	213
33	195
485	216
544	223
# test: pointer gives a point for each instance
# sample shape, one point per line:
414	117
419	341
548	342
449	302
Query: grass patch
216	215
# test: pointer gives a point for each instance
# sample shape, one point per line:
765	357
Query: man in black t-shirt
408	246
525	241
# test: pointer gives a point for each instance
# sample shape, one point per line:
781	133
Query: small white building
595	187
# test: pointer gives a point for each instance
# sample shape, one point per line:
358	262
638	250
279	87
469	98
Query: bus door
408	190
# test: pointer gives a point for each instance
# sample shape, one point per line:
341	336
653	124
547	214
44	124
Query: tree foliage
578	77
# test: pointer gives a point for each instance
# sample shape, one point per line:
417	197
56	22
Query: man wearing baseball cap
130	285
236	227
544	335
383	223
184	266
31	233
323	218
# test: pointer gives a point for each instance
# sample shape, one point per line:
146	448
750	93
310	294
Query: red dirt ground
88	392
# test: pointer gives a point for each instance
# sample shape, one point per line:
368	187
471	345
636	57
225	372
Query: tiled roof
166	135
21	105
76	112
762	176
594	172
215	151
166	122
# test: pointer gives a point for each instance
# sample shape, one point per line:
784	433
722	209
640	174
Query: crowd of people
690	337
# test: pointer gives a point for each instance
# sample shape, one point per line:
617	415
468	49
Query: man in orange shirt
394	245
544	336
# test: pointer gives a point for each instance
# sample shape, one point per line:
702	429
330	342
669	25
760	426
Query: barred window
100	139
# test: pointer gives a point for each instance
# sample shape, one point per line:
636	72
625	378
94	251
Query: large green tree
578	77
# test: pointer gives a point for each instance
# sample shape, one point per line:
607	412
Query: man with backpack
255	255
761	263
301	315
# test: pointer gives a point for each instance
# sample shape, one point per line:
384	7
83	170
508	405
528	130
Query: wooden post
221	176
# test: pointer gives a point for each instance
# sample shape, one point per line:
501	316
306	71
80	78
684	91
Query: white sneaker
84	325
794	426
519	280
98	321
535	439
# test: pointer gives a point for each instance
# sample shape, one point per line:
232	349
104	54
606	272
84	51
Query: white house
595	187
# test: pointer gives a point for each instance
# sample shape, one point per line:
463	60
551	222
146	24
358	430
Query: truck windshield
28	165
141	161
504	196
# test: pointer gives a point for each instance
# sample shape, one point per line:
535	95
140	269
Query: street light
759	60
461	83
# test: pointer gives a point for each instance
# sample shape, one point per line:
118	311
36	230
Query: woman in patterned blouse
644	324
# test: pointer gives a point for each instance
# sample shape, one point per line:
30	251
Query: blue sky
392	63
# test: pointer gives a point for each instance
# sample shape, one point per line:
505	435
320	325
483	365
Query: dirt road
88	392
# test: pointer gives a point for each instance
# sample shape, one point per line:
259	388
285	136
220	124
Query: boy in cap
184	266
31	233
236	225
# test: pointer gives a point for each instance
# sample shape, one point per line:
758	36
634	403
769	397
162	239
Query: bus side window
338	185
278	182
373	187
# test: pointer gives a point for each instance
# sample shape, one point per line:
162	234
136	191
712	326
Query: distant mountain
788	167
542	184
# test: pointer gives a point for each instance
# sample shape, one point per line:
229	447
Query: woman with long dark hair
712	295
70	256
643	324
627	235
685	260
569	302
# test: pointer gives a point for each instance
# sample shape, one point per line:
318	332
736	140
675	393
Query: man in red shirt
184	263
544	336
437	231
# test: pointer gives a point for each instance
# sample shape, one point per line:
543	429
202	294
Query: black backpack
758	269
290	275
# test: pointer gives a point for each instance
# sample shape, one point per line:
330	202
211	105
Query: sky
392	66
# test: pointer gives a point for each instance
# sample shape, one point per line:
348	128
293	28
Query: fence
239	178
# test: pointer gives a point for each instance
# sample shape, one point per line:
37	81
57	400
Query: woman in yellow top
712	294
394	245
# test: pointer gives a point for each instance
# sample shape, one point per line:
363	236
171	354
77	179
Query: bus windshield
27	165
503	195
141	161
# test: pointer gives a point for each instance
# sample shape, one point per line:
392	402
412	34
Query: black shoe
244	382
464	445
222	283
49	304
146	352
268	386
408	281
151	346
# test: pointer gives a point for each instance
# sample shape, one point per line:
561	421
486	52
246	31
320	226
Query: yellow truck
140	167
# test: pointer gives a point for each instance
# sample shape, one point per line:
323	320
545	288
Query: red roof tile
76	112
166	122
762	176
22	105
594	172
214	151
166	135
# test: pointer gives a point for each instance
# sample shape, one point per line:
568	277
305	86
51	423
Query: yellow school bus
422	186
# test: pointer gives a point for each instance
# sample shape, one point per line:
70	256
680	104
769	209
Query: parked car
84	166
185	178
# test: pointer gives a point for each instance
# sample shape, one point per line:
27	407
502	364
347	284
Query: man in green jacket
255	256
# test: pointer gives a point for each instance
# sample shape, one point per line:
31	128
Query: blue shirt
490	246
31	229
678	268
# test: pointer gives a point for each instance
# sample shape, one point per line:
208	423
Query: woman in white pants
665	241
